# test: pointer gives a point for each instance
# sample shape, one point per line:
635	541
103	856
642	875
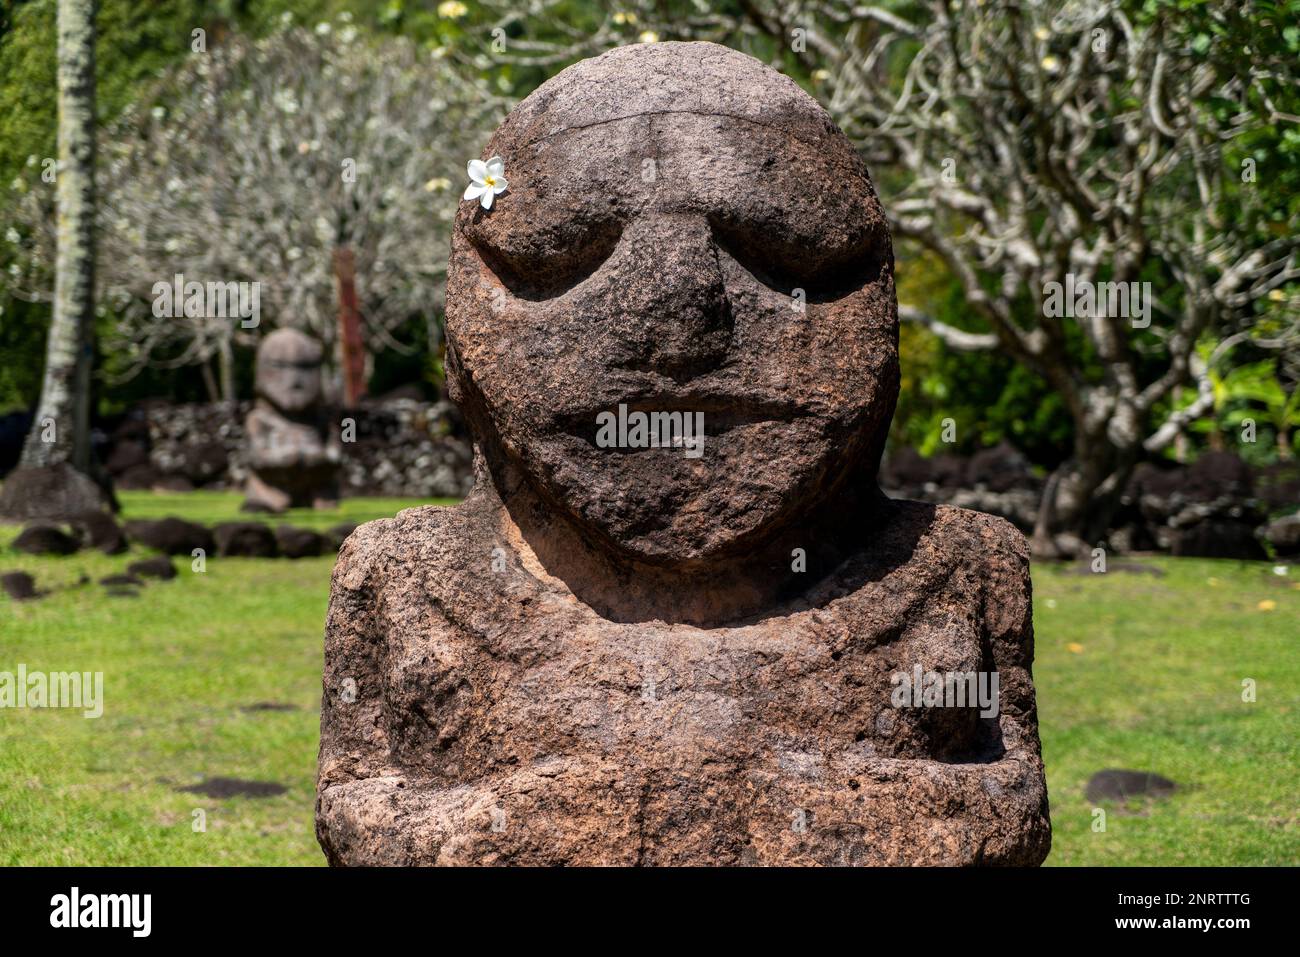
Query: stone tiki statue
634	655
293	450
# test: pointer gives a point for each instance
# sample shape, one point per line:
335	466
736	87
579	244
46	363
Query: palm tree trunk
65	393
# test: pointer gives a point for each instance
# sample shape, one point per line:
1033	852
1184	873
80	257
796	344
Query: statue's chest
552	678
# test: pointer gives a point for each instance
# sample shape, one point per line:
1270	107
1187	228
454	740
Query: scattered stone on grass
19	586
114	581
300	542
1115	784
245	540
41	539
160	567
234	787
171	536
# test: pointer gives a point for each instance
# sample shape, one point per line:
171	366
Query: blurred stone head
289	370
685	230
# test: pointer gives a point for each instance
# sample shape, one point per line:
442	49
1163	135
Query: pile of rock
997	480
1207	509
1217	507
396	447
408	448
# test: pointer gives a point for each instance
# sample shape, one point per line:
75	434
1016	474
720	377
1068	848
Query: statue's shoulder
991	534
426	537
947	536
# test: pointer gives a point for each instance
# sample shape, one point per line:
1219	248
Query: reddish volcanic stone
638	656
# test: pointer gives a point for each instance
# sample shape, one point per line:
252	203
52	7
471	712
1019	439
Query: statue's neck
706	592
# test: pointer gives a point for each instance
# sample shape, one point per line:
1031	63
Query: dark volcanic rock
139	478
1284	535
201	462
234	787
159	566
245	539
1218	538
1118	785
113	581
54	492
99	530
1001	469
127	454
171	536
636	655
1218	475
172	483
45	540
300	542
19	586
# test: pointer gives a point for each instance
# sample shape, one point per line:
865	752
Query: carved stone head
289	370
685	230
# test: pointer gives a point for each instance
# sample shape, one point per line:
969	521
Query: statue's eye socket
824	274
548	265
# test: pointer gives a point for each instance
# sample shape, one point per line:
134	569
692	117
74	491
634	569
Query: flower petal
486	199
496	166
500	185
474	191
477	170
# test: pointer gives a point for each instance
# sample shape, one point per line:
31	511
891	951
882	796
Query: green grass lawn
1133	671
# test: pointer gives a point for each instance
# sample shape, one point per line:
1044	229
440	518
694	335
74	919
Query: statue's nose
675	318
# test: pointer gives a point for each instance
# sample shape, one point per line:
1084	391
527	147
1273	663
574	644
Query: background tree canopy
853	58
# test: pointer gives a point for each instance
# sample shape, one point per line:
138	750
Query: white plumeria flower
487	180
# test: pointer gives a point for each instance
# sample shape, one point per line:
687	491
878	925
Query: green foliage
1251	392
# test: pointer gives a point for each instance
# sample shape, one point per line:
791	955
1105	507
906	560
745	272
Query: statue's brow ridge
668	112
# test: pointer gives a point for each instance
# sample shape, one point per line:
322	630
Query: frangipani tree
287	162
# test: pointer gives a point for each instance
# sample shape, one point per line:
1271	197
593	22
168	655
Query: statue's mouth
673	421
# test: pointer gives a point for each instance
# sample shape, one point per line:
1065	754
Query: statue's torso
497	678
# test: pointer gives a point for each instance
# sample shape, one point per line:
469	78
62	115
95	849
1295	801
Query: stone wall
401	447
1217	507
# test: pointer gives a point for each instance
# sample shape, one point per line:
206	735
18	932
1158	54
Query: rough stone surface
629	656
1218	537
293	450
45	540
171	536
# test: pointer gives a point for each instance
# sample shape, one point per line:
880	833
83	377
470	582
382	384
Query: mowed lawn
1135	670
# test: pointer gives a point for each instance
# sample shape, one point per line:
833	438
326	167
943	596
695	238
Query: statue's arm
990	809
380	796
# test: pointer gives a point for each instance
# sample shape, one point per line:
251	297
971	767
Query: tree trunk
352	347
1082	496
61	431
226	367
54	476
